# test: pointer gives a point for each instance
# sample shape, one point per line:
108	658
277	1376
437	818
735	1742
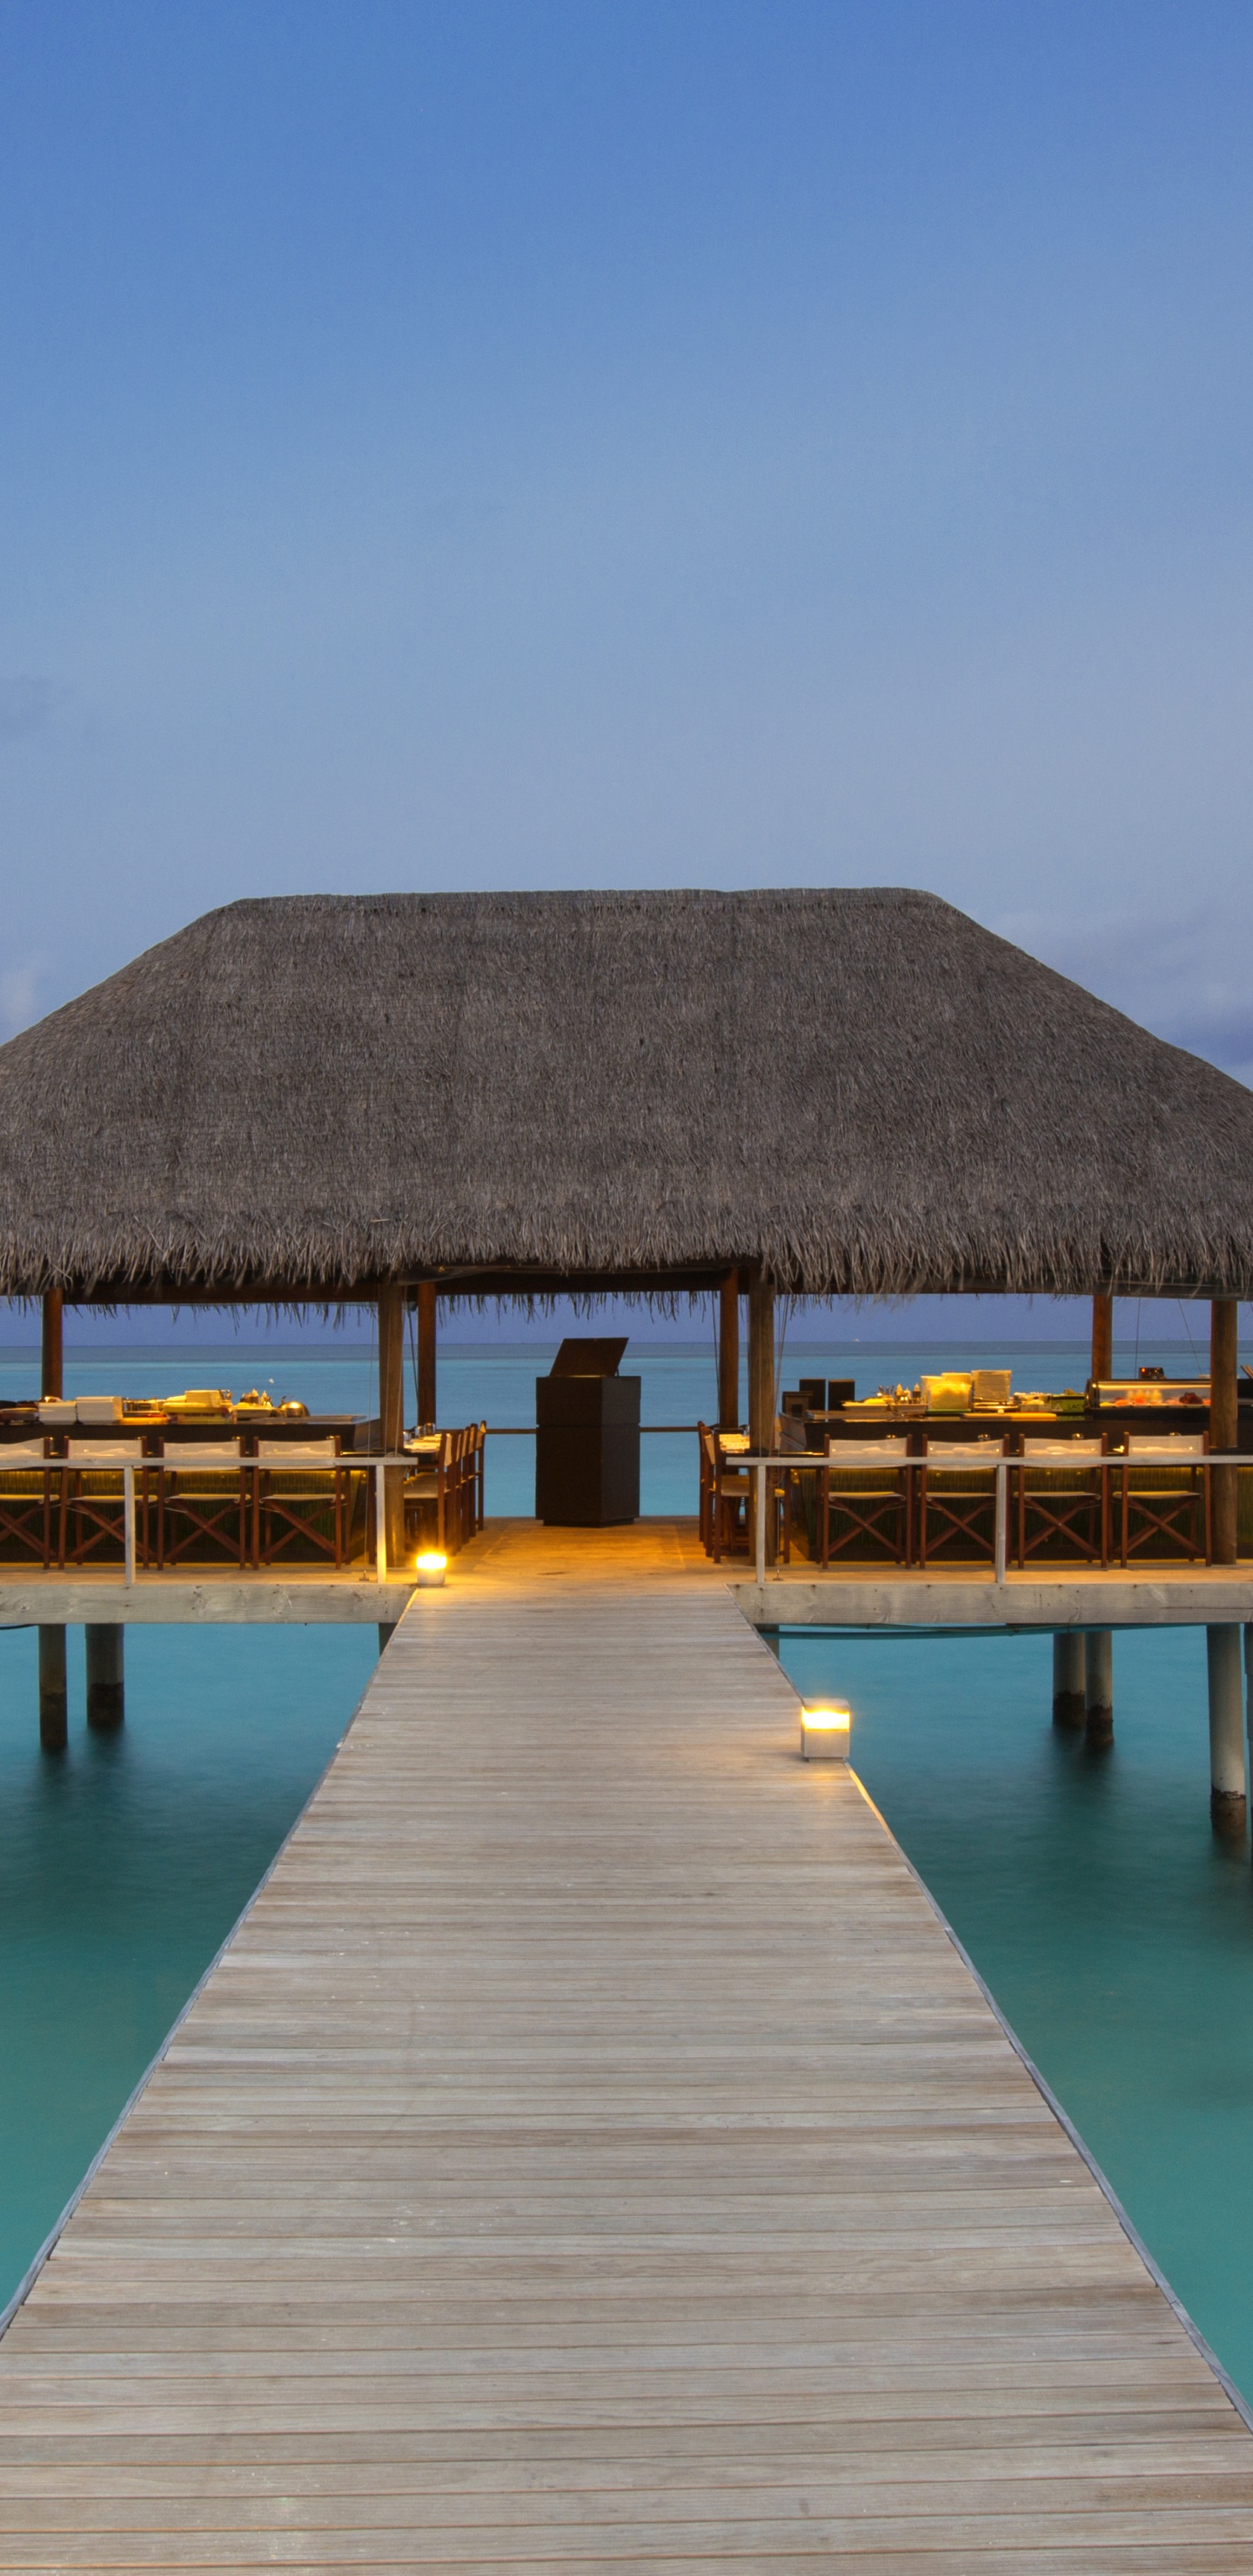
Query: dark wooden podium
587	1449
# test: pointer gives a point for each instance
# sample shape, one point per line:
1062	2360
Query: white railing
779	1462
814	1461
104	1461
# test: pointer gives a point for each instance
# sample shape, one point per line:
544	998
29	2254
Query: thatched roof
861	1089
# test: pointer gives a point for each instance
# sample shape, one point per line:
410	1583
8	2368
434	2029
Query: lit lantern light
825	1732
430	1569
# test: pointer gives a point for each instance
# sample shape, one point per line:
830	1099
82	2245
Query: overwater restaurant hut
410	1097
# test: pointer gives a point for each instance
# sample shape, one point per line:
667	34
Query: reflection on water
124	1863
1114	1931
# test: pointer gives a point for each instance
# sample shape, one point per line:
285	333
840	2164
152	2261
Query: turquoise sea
1115	1934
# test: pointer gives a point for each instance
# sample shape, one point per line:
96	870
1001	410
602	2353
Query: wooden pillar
729	1352
1100	1686
1102	1334
1224	1426
1070	1677
428	1414
106	1674
53	1691
392	1410
51	1375
1248	1704
1227	1794
761	1393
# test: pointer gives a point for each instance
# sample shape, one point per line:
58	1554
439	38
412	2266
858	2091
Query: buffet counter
160	1424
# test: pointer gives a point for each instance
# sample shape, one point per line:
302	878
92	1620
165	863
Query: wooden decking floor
591	2152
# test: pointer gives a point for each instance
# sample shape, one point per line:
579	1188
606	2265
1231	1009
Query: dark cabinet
587	1450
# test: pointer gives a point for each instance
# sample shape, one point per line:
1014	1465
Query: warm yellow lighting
825	1732
430	1568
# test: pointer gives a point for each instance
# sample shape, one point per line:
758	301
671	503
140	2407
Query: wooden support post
428	1412
1070	1677
1224	1426
1248	1704
1103	1334
761	1392
1228	1797
106	1674
1099	1695
729	1352
52	1368
392	1412
53	1691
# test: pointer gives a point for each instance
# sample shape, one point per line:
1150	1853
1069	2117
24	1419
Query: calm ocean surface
1116	1936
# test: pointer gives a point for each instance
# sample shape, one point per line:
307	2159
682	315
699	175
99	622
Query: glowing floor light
825	1732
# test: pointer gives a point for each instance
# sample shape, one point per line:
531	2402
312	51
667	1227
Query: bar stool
872	1506
959	1513
26	1500
291	1507
1068	1508
201	1507
1177	1512
93	1501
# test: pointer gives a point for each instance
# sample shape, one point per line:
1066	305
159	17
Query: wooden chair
428	1497
725	1508
1160	1518
957	1499
1063	1499
706	1472
202	1504
292	1507
480	1474
92	1518
868	1509
447	1494
26	1517
459	1506
730	1487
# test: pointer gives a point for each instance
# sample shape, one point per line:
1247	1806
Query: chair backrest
865	1453
1166	1445
964	1453
201	1453
1059	1453
105	1453
297	1453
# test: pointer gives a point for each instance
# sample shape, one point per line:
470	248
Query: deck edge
1063	2118
29	2277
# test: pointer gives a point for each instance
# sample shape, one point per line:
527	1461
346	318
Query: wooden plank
591	2151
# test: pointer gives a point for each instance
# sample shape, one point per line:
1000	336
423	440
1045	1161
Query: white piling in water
1099	1696
1070	1677
1228	1797
106	1673
53	1691
1248	1703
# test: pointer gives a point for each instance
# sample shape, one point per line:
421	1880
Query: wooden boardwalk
591	2152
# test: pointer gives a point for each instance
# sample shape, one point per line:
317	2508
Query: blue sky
572	444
